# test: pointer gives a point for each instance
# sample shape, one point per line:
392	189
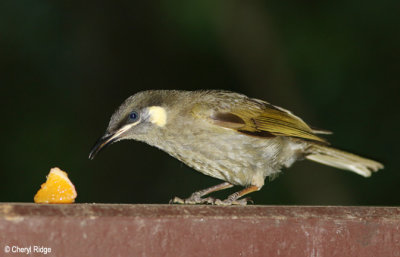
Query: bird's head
139	117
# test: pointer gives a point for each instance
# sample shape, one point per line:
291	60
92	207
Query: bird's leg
196	197
233	199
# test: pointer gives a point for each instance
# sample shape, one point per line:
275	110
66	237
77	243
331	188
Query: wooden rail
172	230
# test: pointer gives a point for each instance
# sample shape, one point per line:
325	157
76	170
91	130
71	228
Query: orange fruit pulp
57	189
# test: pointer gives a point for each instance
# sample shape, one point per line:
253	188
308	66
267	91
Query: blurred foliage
65	66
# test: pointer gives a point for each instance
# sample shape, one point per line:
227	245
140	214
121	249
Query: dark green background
66	66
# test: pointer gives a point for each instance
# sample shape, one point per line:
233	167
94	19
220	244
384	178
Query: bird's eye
133	116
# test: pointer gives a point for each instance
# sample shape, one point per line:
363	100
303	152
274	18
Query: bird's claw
227	202
194	199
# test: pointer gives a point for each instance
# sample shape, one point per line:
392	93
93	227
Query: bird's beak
101	143
106	140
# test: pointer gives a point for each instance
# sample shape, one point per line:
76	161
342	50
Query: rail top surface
183	230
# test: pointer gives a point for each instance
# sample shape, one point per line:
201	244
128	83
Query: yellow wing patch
265	122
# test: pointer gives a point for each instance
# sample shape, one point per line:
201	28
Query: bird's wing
258	118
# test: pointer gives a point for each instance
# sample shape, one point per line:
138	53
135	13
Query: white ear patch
158	115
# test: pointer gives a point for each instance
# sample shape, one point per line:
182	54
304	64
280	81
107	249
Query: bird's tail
342	160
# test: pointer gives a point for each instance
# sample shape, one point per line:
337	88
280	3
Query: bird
226	135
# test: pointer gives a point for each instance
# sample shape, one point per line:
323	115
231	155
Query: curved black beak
108	139
101	143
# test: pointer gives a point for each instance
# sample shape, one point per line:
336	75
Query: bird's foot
195	198
233	199
228	201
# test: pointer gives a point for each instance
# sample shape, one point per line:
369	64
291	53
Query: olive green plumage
226	135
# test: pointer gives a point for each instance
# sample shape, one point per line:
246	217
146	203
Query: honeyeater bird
225	135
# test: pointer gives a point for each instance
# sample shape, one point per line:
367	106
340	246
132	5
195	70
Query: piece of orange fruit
57	189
